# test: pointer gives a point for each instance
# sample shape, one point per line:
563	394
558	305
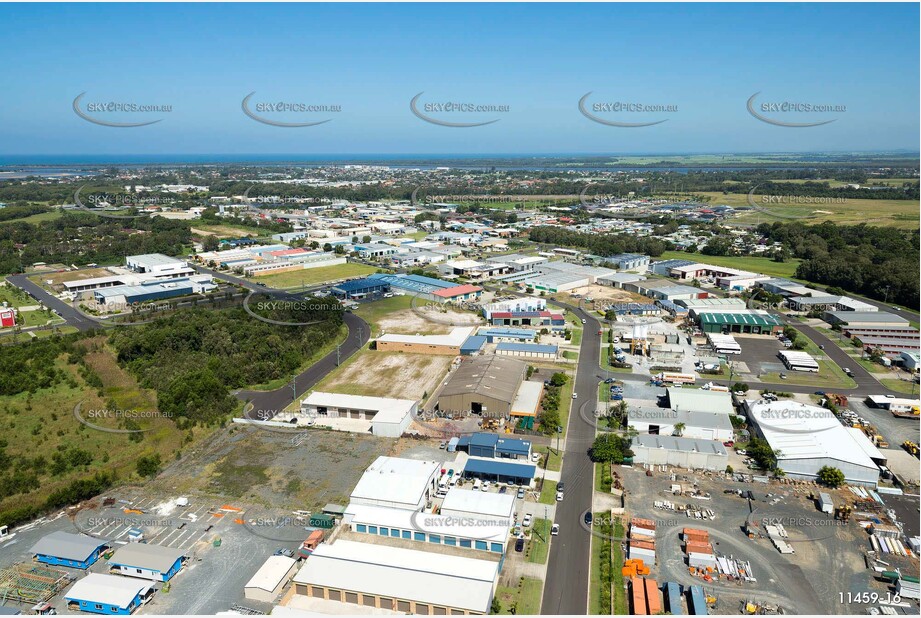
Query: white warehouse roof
698	400
387	410
482	528
456	337
271	573
107	589
478	502
395	481
422	576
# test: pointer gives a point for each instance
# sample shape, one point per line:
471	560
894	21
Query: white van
476	484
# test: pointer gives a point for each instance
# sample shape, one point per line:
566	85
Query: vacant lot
426	320
313	276
600	295
57	279
894	213
388	374
228	231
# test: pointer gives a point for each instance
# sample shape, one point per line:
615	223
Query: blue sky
539	60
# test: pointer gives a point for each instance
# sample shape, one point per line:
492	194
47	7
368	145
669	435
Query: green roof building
741	322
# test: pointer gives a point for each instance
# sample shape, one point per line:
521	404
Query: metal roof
107	590
698	400
359	284
500	467
492	376
144	556
675	443
746	319
77	547
537	348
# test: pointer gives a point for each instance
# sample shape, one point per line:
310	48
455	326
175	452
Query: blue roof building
482	444
500	470
495	335
359	288
528	350
473	344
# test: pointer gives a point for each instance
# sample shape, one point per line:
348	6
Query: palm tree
679	429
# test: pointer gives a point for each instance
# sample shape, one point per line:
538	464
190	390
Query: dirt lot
602	293
426	321
59	278
388	374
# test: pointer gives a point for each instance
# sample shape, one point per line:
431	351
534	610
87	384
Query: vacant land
313	276
387	374
894	213
763	265
226	230
525	599
426	320
58	278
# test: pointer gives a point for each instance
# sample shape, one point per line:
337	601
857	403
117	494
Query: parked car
559	496
575	395
535	457
560	486
848	372
527	520
588	518
519	545
555	530
443	445
521	493
484	486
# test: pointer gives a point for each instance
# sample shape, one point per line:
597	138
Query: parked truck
668	377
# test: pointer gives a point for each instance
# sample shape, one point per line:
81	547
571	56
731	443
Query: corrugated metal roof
476	465
144	556
68	546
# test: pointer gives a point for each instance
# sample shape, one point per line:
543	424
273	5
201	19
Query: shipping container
698	602
673	597
638	594
653	601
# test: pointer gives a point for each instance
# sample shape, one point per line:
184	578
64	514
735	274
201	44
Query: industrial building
864	318
415	285
397	483
527	303
828	303
618	280
449	345
527	401
157	265
528	350
494	446
268	581
478	505
147	561
808	438
512	335
387	418
500	470
121	296
77	551
682	452
458	293
108	594
630	261
538	319
474	532
664	290
398	579
751	322
696	306
357	289
695	425
484	385
517	262
294	261
699	400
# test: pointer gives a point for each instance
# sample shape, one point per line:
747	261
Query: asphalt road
566	587
71	316
266	404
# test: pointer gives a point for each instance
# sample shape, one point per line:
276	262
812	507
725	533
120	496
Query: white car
555	530
575	395
535	457
559	496
484	486
526	521
583	320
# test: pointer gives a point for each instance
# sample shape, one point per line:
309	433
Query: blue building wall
109	610
426	537
74	564
163	576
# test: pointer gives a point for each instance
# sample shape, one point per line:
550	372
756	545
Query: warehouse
527	303
157	265
398	579
459	293
515	335
359	288
469	503
699	400
828	303
108	594
665	267
890	346
864	318
696	306
387	418
695	425
528	350
680	452
630	261
527	401
518	262
618	280
556	321
446	345
466	531
147	561
77	551
757	323
397	483
414	285
306	260
808	438
493	446
664	290
269	580
122	295
484	385
472	345
500	470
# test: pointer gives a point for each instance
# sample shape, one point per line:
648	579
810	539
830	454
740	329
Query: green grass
38	318
601	568
605	361
552	460
566	403
14	297
372	312
548	492
617	559
762	265
526	598
37	218
313	276
571	355
539	545
576	336
830	375
901	386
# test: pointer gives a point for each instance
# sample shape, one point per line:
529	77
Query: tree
830	477
739	387
149	465
496	606
365	239
327	247
559	379
210	243
679	429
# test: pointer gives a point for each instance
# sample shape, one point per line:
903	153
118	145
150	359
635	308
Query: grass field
374	312
14	297
762	265
601	567
525	599
548	492
539	545
894	213
42	216
553	460
313	276
228	230
901	386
